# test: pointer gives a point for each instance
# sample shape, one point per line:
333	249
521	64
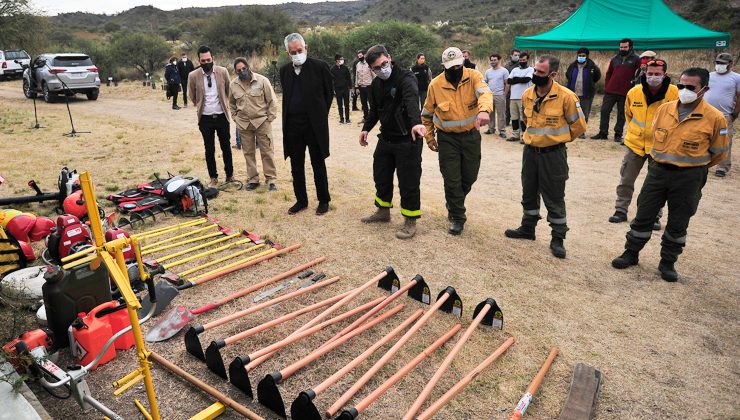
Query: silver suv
66	74
12	63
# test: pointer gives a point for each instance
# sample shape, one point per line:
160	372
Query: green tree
143	51
172	33
403	41
324	45
247	31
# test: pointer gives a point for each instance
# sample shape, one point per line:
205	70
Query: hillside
537	14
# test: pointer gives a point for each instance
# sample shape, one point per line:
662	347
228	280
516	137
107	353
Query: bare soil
665	350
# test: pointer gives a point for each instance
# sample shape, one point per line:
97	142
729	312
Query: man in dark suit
184	67
307	97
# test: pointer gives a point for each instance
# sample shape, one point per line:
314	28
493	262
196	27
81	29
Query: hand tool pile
256	328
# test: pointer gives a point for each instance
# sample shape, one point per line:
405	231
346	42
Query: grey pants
499	108
726	164
632	164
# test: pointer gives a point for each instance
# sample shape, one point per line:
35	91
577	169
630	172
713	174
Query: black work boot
627	259
557	248
456	228
667	271
522	232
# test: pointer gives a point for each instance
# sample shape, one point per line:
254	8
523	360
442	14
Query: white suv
12	63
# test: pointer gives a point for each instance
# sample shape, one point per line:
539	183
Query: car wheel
27	91
48	96
93	94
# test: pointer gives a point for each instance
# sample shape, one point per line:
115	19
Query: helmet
74	204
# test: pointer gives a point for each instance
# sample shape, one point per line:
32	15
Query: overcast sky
53	7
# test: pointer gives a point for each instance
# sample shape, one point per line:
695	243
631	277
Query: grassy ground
666	350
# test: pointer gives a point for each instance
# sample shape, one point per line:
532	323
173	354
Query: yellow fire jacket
454	110
699	140
640	118
557	119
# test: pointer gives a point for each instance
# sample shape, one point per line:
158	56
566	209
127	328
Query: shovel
180	316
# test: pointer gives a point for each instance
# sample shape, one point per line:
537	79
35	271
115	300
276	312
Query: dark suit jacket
317	94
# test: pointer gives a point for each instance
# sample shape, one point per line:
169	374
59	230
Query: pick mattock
169	291
387	273
213	355
268	393
465	381
355	411
484	313
239	369
303	407
179	316
447	301
526	399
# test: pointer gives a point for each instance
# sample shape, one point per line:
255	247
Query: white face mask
654	81
299	59
686	96
720	68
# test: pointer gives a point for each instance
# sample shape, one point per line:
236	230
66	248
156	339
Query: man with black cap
342	86
394	102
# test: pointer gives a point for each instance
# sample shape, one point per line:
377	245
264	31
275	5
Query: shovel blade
171	323
165	292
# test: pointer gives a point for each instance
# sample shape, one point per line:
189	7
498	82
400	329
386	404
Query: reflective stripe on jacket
700	139
559	119
454	110
640	116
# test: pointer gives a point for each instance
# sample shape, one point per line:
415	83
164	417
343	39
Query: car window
72	61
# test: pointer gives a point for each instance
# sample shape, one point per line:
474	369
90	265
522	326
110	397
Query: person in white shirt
496	77
724	94
520	78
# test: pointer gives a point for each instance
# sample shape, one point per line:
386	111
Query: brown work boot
408	230
382	214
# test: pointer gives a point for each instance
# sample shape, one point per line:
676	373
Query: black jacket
342	78
593	75
395	103
317	93
184	68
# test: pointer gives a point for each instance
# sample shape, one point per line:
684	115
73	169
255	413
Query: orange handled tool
465	381
521	407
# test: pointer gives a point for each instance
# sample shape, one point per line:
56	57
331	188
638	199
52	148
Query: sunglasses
656	63
209	81
689	87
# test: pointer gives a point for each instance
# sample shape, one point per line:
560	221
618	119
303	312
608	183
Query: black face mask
454	75
207	67
540	81
523	65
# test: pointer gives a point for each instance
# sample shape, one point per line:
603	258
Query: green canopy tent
600	24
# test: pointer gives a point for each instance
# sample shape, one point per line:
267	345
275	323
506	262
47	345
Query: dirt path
666	350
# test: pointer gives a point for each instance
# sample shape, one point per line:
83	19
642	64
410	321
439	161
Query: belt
671	167
547	149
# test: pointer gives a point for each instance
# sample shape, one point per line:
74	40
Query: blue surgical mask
581	59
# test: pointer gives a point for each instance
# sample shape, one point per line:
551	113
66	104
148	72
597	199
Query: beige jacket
196	88
252	102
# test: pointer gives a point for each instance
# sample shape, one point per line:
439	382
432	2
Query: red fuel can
90	334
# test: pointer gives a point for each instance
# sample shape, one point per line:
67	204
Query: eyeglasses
656	63
209	81
382	66
689	87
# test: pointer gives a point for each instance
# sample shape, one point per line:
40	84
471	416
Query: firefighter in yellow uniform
689	137
457	105
643	100
553	116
